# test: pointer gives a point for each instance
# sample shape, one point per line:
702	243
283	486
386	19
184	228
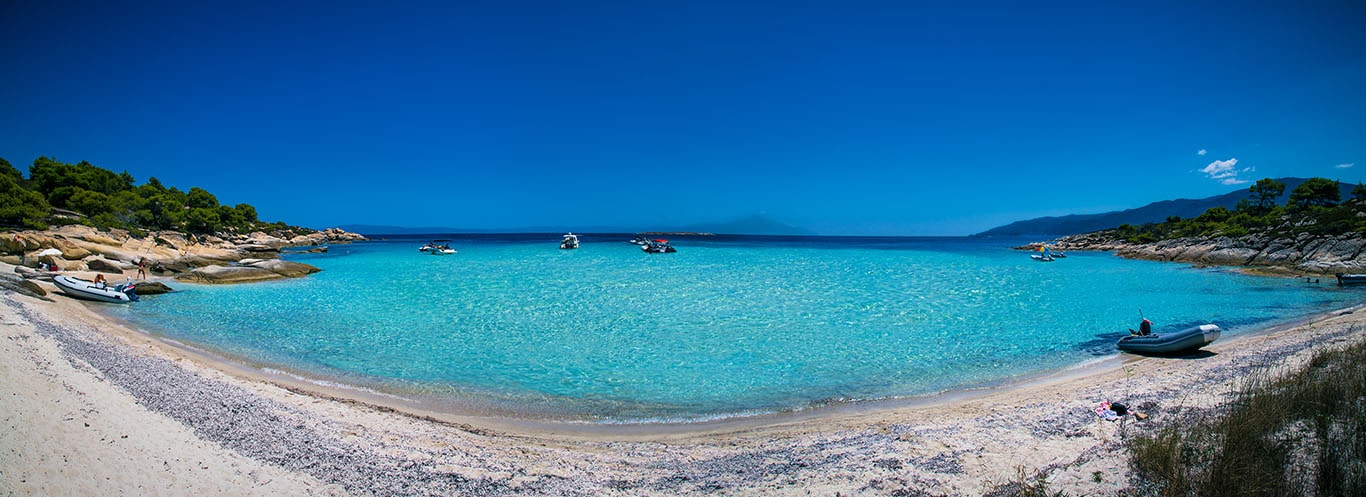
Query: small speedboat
639	240
570	241
1170	343
99	292
1351	279
435	246
658	247
1042	257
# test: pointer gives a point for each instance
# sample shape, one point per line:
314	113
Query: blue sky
847	118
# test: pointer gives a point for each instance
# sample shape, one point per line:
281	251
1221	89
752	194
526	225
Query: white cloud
1202	152
1226	171
1345	166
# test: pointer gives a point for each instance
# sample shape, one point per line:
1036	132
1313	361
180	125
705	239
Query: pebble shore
972	444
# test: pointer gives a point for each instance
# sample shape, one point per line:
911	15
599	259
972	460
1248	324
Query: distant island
756	224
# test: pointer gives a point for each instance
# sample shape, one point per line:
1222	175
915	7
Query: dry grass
1284	434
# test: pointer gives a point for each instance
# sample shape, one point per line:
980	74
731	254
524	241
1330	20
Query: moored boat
434	246
658	247
570	241
1351	279
97	291
1042	257
438	247
1169	343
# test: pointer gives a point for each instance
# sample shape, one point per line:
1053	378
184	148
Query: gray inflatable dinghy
1170	343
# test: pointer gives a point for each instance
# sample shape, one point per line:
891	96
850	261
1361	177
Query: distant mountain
1155	212
756	224
373	229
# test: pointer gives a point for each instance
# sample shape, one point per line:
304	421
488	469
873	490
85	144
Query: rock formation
1305	254
166	253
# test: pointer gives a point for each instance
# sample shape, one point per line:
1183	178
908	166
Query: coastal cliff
1304	253
224	258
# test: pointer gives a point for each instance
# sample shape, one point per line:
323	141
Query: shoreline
521	423
958	443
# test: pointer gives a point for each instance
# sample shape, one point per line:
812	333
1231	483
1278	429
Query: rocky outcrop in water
1305	253
166	253
248	271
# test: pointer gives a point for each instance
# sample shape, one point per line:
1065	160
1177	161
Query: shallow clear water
727	326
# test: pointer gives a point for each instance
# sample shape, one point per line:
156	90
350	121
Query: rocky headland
239	258
1303	254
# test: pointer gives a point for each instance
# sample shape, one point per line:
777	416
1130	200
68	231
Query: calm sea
727	326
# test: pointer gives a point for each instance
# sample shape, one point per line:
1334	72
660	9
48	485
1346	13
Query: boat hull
88	290
1351	279
1170	343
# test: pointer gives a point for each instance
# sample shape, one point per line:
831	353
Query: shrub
1300	433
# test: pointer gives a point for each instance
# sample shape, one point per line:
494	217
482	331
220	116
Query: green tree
1265	192
1359	192
20	206
47	175
167	211
200	198
7	169
1214	215
202	220
248	213
1321	192
89	203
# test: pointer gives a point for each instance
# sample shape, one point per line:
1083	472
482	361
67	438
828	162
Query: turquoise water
727	326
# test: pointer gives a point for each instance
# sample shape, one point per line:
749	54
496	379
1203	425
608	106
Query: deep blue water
727	326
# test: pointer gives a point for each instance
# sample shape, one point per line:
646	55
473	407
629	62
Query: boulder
58	262
28	241
340	235
172	239
29	273
71	251
104	266
152	288
258	248
288	269
258	271
227	274
260	238
25	287
85	233
318	238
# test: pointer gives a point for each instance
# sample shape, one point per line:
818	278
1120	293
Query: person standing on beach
142	268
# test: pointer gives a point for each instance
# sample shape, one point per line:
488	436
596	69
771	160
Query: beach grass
1300	432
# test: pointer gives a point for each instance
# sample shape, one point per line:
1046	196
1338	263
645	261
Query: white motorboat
434	245
658	247
97	291
570	241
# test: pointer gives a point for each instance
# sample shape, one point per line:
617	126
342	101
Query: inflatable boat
1170	343
100	292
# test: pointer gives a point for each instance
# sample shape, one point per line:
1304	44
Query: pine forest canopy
105	200
1315	207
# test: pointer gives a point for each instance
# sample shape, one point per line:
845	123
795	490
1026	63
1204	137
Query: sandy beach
92	407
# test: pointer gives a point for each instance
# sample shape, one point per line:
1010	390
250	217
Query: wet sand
92	407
